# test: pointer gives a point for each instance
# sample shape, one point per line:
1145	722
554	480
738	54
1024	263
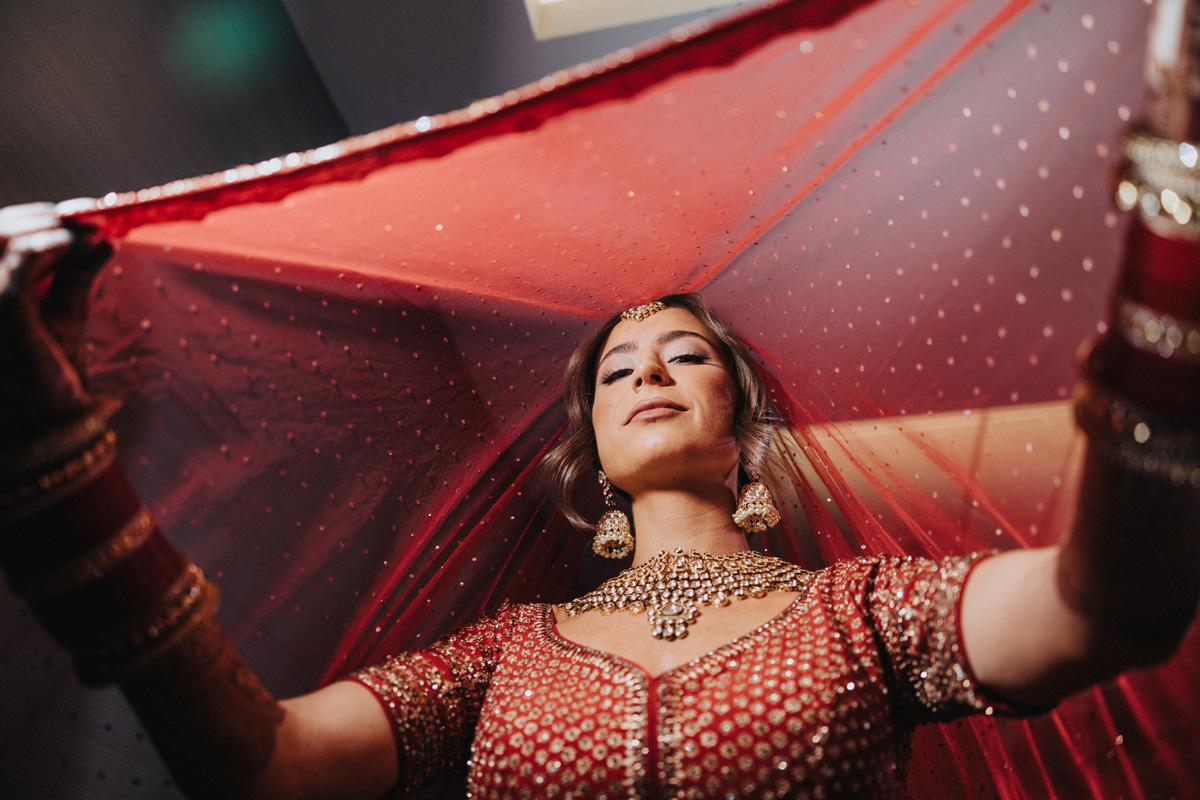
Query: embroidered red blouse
818	702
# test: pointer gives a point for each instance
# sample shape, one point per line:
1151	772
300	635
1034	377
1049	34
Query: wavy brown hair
752	420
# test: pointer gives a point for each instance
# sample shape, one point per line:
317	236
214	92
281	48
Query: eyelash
682	358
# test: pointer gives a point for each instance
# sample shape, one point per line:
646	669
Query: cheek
601	409
602	412
722	403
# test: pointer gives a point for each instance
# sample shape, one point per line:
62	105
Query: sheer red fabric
341	368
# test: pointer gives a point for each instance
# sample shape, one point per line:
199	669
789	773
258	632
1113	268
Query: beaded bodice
818	701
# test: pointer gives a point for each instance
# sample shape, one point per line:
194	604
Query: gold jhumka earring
755	511
614	539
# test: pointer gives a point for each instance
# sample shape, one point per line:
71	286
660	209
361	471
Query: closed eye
682	358
690	358
615	375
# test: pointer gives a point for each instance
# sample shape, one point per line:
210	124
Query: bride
703	670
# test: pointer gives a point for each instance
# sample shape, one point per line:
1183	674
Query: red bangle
1156	384
62	532
188	605
128	590
1161	273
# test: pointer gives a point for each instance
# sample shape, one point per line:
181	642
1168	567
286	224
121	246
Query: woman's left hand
46	272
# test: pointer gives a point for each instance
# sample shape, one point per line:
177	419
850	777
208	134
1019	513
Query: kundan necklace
672	586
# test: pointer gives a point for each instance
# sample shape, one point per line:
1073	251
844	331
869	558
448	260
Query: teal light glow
226	46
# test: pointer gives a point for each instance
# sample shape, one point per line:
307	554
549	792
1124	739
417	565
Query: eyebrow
662	338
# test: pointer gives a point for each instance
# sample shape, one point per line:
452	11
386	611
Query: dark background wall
125	94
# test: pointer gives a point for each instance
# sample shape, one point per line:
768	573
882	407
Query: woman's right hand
46	271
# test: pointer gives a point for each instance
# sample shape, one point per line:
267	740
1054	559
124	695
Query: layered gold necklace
671	587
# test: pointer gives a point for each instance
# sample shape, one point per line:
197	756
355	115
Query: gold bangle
1138	442
59	444
85	465
1161	198
1161	334
1162	180
95	563
127	647
1152	152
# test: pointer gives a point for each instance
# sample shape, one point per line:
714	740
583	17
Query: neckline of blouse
548	630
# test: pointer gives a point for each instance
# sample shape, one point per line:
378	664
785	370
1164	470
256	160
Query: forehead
639	333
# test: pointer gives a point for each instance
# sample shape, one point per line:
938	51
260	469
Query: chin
672	460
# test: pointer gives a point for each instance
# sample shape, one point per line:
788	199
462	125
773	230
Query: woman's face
664	406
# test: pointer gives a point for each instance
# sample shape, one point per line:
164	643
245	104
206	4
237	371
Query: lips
650	404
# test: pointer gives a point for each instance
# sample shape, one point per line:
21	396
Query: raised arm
77	543
1122	589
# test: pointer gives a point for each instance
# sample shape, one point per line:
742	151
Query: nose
650	370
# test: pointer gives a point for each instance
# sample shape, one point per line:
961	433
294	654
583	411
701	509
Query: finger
26	218
76	205
27	257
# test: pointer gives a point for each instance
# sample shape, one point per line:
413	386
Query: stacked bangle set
79	546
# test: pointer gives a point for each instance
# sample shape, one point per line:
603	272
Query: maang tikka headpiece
639	313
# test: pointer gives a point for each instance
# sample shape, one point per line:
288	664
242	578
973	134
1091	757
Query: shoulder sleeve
914	606
433	697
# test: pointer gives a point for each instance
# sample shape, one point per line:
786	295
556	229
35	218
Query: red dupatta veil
341	368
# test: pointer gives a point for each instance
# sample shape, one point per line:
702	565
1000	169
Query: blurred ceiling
128	94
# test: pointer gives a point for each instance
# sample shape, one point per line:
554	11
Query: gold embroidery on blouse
821	697
632	764
434	696
938	676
